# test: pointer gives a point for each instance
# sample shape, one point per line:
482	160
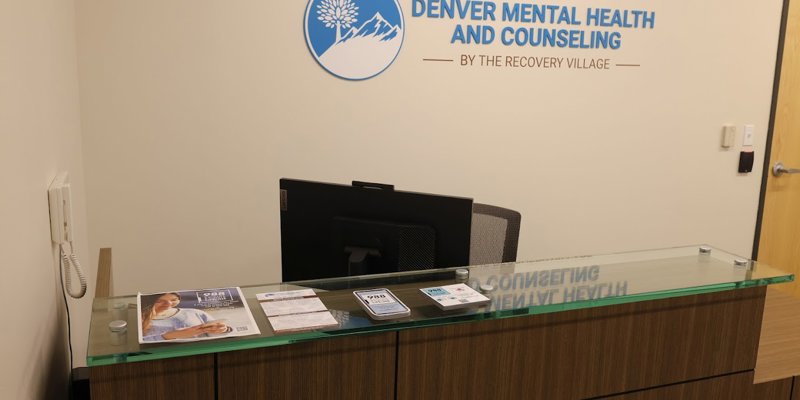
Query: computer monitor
331	230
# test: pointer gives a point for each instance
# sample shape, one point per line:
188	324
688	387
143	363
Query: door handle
779	169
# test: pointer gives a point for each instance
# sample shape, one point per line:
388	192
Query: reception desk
670	323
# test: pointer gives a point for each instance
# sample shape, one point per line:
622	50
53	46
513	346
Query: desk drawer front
584	353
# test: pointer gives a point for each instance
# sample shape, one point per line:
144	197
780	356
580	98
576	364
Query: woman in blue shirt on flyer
162	319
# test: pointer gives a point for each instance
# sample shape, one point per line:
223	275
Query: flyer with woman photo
193	315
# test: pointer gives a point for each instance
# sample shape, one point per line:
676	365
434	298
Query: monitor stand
357	263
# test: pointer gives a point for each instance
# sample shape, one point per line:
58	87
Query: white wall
39	136
193	110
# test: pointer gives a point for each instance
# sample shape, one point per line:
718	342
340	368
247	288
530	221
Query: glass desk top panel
520	288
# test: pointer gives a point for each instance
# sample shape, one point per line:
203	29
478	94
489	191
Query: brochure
292	306
194	315
452	297
295	310
288	294
302	322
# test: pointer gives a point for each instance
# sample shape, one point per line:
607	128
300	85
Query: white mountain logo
376	29
364	51
349	48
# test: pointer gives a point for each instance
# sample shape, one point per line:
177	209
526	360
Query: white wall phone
61	230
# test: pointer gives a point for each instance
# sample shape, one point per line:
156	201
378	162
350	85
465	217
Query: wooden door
779	240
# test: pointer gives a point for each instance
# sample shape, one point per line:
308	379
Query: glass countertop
519	289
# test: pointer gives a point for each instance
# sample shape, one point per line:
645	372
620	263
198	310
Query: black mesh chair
495	234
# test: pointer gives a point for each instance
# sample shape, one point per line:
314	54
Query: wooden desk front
700	346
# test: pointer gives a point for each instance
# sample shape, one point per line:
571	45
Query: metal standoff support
487	288
740	262
779	169
705	250
462	274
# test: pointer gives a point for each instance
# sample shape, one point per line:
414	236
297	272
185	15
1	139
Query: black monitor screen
330	230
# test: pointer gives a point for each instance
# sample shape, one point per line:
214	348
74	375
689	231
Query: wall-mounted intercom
60	200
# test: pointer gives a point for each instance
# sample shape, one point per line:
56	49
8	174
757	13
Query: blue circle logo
354	39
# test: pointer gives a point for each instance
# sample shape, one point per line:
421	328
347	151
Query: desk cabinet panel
190	378
730	387
350	367
584	353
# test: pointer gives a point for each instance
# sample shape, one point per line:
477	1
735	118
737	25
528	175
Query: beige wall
193	110
40	136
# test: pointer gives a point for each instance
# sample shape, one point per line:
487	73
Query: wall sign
359	39
354	39
533	26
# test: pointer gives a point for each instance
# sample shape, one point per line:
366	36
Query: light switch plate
728	135
749	133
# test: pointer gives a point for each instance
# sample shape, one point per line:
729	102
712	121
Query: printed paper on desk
192	315
293	306
299	322
287	294
451	297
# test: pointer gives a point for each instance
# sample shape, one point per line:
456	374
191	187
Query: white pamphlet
293	306
298	322
295	310
289	294
451	297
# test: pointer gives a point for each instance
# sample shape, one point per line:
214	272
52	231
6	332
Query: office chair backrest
495	234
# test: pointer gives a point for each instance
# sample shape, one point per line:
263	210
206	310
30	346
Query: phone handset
68	260
60	200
